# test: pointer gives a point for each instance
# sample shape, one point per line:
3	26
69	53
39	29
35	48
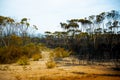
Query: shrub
13	53
10	54
30	49
50	64
42	47
51	54
23	61
65	53
61	52
36	57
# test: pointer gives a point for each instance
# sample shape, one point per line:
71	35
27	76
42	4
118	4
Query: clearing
64	70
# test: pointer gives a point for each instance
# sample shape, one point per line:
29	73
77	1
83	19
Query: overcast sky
47	14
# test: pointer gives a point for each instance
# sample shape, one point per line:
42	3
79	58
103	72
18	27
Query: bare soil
65	70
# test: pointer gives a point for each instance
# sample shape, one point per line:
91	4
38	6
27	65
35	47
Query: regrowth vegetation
94	38
16	40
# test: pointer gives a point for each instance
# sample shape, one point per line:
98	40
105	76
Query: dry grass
23	61
60	53
50	64
36	57
37	71
60	73
4	68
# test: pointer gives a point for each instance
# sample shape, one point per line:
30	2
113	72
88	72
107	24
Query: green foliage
23	61
50	64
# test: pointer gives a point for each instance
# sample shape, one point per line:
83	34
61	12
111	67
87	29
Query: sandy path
38	71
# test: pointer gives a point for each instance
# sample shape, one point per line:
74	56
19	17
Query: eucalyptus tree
99	19
57	34
85	24
114	18
49	38
71	26
47	33
24	26
6	29
116	25
103	17
8	26
113	15
2	25
92	18
64	26
65	40
109	25
59	39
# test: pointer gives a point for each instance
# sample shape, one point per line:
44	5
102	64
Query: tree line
96	37
93	38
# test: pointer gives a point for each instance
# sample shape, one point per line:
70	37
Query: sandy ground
64	70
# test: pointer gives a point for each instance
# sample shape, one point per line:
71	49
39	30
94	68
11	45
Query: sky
47	14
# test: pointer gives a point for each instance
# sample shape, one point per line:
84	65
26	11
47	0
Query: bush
13	53
42	47
36	57
30	49
61	52
50	64
10	54
23	61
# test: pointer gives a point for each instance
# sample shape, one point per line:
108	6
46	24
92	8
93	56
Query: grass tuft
50	64
23	61
36	57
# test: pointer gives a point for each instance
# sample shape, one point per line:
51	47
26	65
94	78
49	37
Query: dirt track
63	71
